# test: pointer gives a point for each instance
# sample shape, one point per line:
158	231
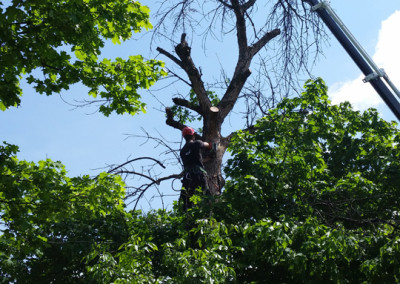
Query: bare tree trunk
213	162
213	167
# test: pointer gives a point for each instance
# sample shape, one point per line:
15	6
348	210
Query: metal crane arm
372	73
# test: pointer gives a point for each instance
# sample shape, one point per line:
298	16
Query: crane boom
372	73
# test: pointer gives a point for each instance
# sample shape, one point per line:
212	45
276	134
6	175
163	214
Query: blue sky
46	127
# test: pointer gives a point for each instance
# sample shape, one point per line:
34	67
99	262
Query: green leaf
2	106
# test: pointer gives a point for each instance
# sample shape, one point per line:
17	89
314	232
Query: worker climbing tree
195	176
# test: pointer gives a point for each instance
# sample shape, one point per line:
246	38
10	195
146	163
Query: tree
311	198
290	29
339	163
318	183
50	222
54	44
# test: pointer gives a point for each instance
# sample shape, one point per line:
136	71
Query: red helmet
187	131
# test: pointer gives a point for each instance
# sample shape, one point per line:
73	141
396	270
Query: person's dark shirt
191	154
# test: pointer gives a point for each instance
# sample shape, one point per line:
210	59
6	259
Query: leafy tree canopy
58	43
313	157
311	197
50	222
316	186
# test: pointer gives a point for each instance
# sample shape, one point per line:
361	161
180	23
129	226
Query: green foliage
169	247
311	197
55	44
337	163
50	222
316	185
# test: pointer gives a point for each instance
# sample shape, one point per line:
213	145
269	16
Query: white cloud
387	56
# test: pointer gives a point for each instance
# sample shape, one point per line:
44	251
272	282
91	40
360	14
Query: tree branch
179	77
187	104
134	160
184	52
225	4
242	71
170	56
138	174
158	181
176	124
249	4
240	28
171	121
264	40
232	93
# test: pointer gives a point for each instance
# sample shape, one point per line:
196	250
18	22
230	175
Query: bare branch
187	104
171	121
184	52
170	56
240	28
120	172
225	4
179	77
249	4
134	160
229	99
264	40
147	186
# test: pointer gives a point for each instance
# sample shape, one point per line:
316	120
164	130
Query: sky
85	141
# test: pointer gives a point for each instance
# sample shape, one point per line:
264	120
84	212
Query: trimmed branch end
214	109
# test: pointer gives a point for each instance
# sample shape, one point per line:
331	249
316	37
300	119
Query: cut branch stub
214	109
214	125
183	49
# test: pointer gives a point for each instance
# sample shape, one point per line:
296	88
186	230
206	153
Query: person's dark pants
190	182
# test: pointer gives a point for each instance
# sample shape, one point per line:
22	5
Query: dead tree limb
154	182
113	170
